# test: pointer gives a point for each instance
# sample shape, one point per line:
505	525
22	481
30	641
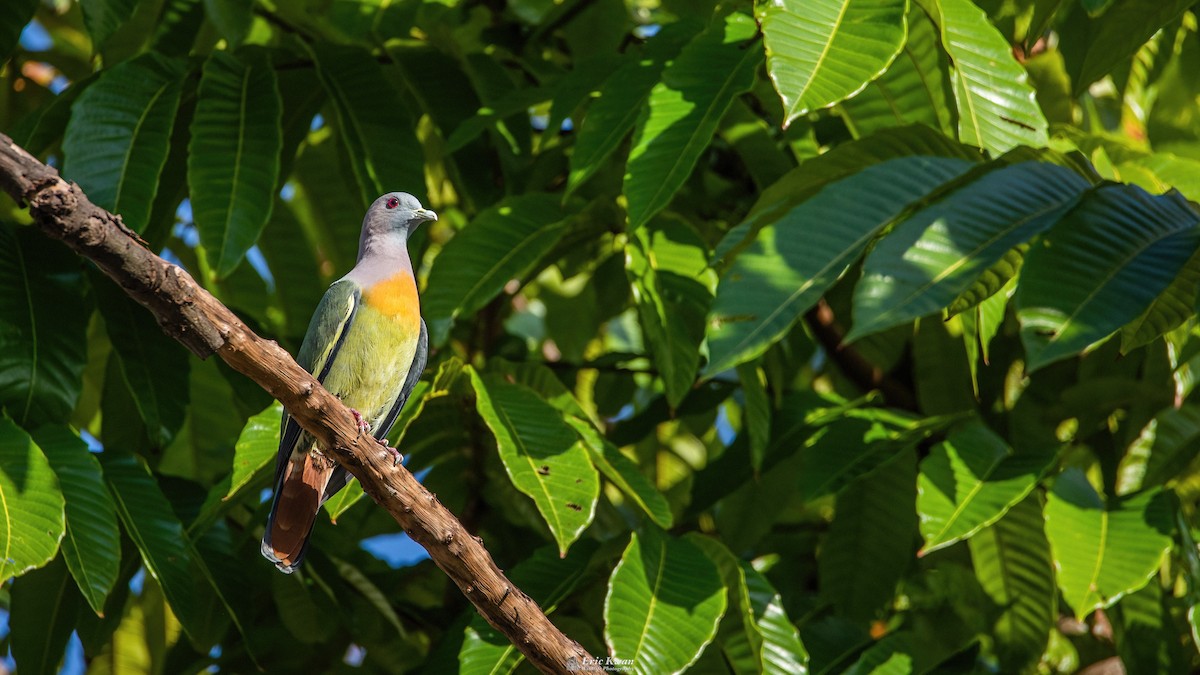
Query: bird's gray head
391	219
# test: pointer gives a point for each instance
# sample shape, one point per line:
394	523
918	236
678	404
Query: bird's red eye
392	202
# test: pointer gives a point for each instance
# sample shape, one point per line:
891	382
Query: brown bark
195	318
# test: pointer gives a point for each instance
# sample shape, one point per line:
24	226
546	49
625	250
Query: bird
367	344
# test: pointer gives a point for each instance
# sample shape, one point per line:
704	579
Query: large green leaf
373	126
1093	48
624	473
871	540
32	522
1176	442
546	577
672	284
154	366
1103	552
92	545
1012	562
13	17
254	453
935	255
664	601
44	606
684	110
820	52
997	109
502	243
1100	267
541	454
117	141
43	327
1170	309
915	88
619	103
791	263
233	156
969	481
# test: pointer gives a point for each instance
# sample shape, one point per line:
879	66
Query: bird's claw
363	425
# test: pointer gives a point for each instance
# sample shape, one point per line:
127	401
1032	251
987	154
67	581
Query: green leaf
1094	48
664	601
914	89
1170	309
756	412
870	542
1103	552
43	327
667	263
935	255
254	453
1100	267
304	610
502	243
1176	442
781	274
544	576
92	545
969	481
117	147
1012	562
231	18
103	17
619	103
13	18
154	366
377	134
541	454
624	473
43	608
233	155
820	52
997	108
32	521
684	110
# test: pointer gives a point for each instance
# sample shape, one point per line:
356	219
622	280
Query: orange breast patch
395	298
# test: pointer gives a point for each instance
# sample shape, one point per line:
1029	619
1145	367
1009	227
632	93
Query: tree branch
861	371
195	318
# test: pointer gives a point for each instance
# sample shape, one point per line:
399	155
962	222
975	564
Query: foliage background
659	221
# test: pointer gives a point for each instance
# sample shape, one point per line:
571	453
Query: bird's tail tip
282	564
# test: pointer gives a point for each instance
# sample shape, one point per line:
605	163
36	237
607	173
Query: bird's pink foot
363	425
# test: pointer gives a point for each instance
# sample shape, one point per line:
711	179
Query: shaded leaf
117	147
233	156
103	17
664	601
1175	305
31	504
820	52
44	606
13	17
1100	268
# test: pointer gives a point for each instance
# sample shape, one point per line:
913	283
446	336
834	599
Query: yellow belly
373	362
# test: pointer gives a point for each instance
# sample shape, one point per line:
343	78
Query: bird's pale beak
425	214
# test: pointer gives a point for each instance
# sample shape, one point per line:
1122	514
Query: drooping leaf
1100	268
44	607
672	285
541	454
31	504
254	453
624	473
683	112
103	17
502	243
43	328
824	51
117	147
155	367
1170	309
997	108
1104	551
914	89
791	263
871	540
233	156
1012	562
970	481
935	255
664	601
544	576
372	123
1095	47
92	545
756	412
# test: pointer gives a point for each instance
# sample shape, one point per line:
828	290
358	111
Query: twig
862	372
191	315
